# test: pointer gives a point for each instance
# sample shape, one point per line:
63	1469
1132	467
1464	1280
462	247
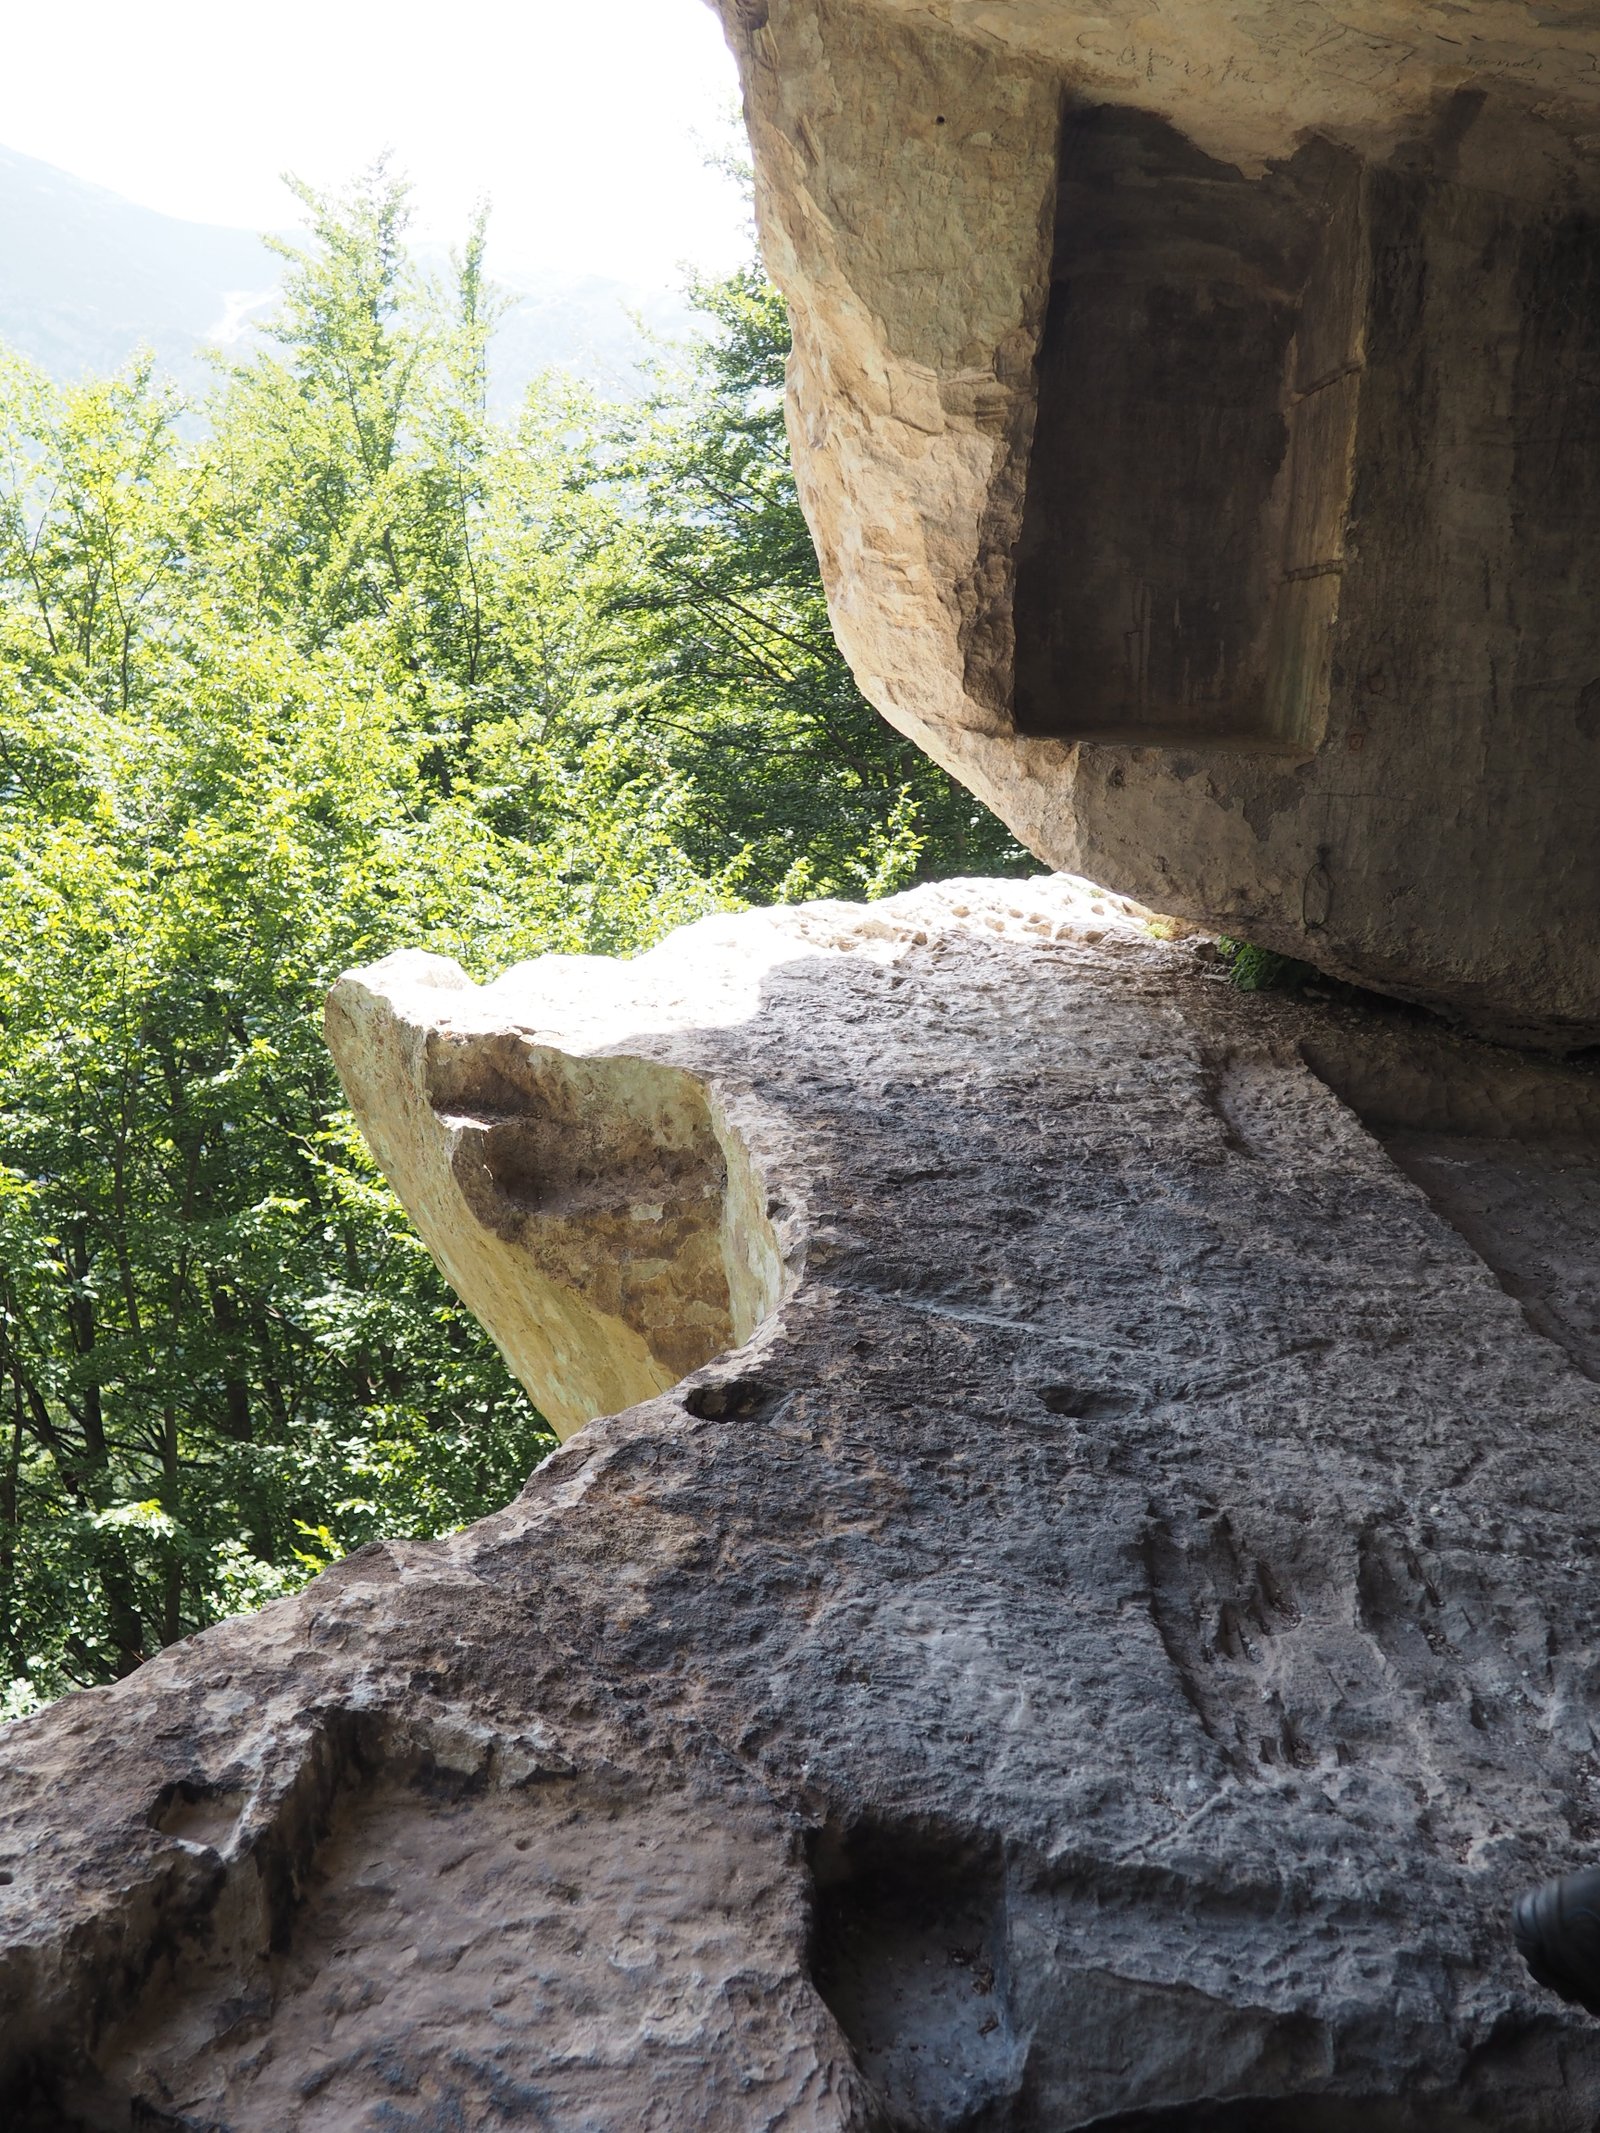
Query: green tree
724	652
347	666
218	1336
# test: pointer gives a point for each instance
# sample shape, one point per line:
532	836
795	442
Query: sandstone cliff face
1197	413
1105	1650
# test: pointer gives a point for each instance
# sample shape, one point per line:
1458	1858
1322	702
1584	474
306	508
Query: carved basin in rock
1198	412
1104	1652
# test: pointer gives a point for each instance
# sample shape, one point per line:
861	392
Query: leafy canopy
339	666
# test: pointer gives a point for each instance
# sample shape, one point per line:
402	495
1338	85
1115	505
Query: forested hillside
343	665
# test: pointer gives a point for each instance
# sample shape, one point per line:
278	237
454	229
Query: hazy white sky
587	121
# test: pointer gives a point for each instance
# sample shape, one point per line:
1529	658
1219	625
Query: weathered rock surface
1198	411
600	1212
1104	1652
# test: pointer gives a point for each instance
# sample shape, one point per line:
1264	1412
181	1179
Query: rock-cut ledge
1100	1642
595	1206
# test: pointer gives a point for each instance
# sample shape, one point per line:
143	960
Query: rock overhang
1194	414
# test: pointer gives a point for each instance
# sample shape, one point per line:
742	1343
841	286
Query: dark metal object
1557	1932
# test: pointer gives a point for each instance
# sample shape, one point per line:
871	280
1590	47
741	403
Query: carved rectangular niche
1507	1150
1182	541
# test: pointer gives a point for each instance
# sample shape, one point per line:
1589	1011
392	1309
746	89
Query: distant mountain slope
86	277
583	325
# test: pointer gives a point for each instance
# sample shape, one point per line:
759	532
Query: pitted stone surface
1107	1651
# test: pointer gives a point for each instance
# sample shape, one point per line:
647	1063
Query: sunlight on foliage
333	665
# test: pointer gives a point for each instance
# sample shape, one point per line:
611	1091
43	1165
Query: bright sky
586	121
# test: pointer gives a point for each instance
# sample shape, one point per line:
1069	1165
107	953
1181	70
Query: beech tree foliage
330	665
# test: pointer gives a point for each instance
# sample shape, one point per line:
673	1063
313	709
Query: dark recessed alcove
1177	572
908	1951
1507	1151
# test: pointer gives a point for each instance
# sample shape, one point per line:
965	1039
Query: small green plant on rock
1255	969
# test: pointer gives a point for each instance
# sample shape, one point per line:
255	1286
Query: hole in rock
728	1398
908	1951
198	1814
1087	1403
1182	538
1507	1150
